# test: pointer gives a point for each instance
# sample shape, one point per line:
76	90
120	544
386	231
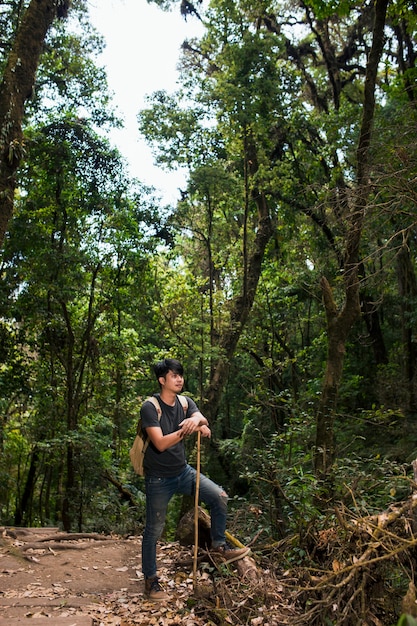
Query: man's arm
163	442
187	427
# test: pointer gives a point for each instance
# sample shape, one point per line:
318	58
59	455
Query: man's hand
194	423
205	431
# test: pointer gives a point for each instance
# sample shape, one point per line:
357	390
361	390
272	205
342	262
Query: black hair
163	367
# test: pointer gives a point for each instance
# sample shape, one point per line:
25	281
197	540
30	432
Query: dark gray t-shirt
171	462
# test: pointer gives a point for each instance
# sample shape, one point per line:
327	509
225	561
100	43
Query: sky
141	56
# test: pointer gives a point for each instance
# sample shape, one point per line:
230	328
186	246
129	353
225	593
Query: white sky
142	52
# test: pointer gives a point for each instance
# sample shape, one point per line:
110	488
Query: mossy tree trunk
341	319
15	89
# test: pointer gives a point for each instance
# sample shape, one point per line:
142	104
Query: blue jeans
159	492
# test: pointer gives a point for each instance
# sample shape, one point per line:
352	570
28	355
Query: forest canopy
284	278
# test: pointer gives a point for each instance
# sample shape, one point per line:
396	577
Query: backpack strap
156	404
184	403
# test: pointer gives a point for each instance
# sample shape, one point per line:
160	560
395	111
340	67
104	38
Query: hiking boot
154	590
229	554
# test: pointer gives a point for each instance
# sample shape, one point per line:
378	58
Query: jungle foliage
284	278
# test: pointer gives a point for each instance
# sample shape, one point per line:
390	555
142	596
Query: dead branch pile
365	570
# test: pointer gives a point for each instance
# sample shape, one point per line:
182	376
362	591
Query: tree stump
245	567
185	529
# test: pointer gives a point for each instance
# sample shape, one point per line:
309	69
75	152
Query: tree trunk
15	88
242	303
67	511
340	321
408	292
371	318
23	513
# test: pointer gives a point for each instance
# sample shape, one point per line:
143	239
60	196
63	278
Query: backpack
141	441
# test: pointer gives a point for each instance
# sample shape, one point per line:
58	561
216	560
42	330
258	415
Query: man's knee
224	498
155	528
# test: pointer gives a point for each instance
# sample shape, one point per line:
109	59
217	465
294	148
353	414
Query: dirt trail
56	579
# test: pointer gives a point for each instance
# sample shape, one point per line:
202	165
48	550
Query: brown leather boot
228	554
154	590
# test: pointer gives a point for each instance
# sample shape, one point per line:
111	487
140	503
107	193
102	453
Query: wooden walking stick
197	491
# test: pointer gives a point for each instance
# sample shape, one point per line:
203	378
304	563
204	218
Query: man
167	471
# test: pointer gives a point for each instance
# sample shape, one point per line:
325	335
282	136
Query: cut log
58	546
247	569
185	529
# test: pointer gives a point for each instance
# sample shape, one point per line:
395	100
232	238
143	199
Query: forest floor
57	579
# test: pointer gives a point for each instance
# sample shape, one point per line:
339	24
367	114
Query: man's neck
169	397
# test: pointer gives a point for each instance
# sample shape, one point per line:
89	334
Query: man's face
172	382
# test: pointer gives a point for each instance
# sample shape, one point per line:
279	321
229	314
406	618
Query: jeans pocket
154	480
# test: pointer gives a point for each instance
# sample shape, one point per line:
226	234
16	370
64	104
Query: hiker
167	472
